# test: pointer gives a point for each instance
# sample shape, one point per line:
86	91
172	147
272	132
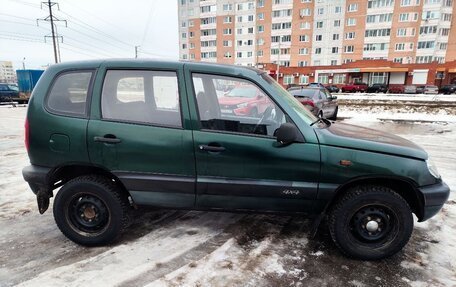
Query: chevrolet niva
116	134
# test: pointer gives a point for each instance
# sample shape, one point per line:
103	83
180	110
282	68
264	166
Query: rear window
69	92
309	93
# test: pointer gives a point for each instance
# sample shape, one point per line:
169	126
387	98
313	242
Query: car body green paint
164	166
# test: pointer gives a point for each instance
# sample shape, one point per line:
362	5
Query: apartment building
7	73
317	32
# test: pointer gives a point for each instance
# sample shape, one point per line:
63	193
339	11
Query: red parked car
354	87
244	101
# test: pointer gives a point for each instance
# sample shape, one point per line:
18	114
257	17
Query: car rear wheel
370	222
91	210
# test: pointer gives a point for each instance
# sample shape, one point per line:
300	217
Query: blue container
27	79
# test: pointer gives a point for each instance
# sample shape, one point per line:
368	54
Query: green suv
117	134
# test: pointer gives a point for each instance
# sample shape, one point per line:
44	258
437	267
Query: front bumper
434	197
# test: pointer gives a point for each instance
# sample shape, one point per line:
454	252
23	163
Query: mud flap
42	198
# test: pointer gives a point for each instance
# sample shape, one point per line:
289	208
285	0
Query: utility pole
136	51
51	18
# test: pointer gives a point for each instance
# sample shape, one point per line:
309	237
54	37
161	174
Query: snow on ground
397	97
189	248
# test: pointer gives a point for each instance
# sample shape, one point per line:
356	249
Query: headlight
243	105
432	168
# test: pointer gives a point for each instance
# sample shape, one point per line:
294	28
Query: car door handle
212	148
107	139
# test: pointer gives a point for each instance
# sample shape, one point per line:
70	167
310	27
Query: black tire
91	210
334	116
366	205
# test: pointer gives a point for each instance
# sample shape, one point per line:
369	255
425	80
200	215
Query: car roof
124	62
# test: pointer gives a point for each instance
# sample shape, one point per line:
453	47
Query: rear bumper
36	176
434	197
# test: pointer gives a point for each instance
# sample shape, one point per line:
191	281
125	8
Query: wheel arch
60	175
406	188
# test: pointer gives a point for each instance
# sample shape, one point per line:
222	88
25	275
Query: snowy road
188	248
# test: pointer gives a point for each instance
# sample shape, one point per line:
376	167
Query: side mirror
333	97
288	133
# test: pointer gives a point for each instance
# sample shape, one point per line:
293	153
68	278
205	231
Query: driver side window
235	105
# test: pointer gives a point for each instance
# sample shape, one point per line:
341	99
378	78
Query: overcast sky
96	29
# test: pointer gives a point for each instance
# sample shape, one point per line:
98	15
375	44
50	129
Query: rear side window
149	97
69	93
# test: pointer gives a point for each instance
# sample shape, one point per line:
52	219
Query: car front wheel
370	222
91	210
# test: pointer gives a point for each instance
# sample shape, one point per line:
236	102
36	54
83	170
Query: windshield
242	92
13	87
303	113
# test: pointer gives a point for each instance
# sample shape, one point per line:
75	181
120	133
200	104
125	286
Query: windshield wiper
322	120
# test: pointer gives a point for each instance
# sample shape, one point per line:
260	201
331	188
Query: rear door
137	132
239	163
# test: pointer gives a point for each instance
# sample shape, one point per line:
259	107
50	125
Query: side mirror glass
288	133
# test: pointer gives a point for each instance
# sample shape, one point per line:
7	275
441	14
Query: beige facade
7	73
316	32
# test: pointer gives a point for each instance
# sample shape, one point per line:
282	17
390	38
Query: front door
139	135
239	163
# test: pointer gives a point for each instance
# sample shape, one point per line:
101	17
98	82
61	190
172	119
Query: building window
378	78
227	7
398	60
303	79
260	16
323	78
305	25
288	79
318	37
337	9
351	22
317	50
352	7
305	12
335	37
303	38
350	35
303	51
339	78
349	49
227	19
319	24
335	50
336	23
401	32
302	63
227	31
260	29
333	62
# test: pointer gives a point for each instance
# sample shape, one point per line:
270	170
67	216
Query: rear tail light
308	103
27	135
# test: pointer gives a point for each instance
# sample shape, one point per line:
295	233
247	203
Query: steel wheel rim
88	214
373	224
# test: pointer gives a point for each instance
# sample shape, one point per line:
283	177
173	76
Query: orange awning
383	69
452	70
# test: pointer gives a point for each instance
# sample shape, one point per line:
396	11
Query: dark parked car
353	88
319	101
377	88
448	89
8	92
107	135
332	88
